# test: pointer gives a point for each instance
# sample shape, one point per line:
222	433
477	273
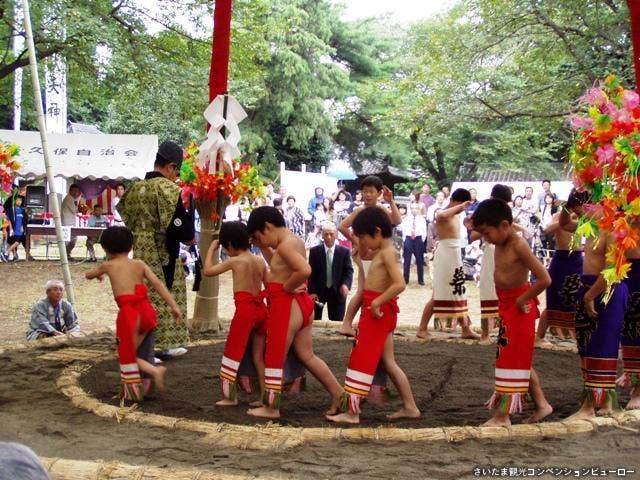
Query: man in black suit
331	274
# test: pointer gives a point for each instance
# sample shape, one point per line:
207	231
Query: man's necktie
329	267
413	229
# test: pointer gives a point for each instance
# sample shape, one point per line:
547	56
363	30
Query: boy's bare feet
345	417
606	411
335	405
542	342
585	413
256	403
557	332
333	410
346	331
468	333
159	378
634	401
539	414
264	412
498	420
423	334
404	413
485	340
226	402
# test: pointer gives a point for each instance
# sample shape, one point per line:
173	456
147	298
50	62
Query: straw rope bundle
276	437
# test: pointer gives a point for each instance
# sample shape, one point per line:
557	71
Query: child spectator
378	320
136	319
319	216
517	305
250	317
18	219
96	220
5	225
290	309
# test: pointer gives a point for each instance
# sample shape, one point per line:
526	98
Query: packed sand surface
451	382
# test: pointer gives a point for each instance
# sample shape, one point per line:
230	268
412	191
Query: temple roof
381	168
536	171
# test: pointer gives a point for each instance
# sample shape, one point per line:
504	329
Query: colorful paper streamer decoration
605	163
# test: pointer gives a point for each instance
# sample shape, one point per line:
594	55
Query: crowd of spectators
531	213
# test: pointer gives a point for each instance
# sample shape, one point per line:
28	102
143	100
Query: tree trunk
205	312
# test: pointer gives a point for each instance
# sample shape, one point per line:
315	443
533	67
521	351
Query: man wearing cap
153	210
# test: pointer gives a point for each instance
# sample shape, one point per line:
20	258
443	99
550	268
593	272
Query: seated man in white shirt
71	205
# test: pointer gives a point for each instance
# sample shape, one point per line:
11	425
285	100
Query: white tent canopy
82	155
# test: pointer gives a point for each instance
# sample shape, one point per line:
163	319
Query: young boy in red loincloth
372	188
517	305
251	313
378	319
136	318
290	309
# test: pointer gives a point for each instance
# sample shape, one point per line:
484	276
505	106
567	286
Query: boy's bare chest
507	263
377	277
278	268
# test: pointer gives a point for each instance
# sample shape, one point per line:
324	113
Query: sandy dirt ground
451	382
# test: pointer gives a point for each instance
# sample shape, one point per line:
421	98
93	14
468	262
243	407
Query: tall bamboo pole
53	198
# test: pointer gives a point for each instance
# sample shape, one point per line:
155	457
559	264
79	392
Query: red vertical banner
634	15
218	76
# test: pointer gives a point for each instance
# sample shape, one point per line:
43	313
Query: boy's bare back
124	274
248	272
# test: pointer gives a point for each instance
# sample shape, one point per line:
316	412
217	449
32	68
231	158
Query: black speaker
36	196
